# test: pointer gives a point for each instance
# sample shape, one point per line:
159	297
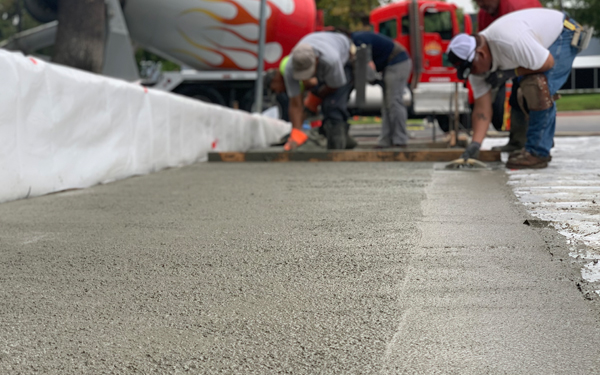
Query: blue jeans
542	124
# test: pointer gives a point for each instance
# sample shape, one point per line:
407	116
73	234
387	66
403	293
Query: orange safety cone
506	118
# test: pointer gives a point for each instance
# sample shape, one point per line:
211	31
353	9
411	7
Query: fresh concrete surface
300	268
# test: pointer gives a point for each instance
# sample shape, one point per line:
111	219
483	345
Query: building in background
585	76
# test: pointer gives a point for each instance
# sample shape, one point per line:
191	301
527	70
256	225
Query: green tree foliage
349	14
586	12
13	16
167	66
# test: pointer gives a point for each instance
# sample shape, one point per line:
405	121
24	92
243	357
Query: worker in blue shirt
392	60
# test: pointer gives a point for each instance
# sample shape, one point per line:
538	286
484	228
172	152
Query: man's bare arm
548	64
482	116
295	111
310	83
325	91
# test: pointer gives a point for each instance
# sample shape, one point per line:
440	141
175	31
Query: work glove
499	77
297	138
312	102
472	151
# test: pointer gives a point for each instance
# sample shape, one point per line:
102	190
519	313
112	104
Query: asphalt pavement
570	123
300	268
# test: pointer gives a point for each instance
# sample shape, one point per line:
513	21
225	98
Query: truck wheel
203	93
444	122
42	11
465	120
281	101
247	102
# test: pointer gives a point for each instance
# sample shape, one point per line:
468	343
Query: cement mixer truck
215	41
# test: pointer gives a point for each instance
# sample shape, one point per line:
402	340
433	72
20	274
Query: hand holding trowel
468	159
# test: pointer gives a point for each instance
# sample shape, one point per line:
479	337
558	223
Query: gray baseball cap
304	62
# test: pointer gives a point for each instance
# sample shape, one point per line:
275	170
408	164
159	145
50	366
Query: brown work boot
516	154
526	160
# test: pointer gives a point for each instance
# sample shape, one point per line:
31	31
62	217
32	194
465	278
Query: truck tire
281	101
203	93
445	121
42	10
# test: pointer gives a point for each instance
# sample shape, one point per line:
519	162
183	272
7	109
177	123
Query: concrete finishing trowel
462	163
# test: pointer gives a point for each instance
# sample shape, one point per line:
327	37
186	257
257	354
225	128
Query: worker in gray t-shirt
326	56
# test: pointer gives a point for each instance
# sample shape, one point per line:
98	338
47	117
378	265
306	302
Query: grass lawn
370	120
572	102
578	102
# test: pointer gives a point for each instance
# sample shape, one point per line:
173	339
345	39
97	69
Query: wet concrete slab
297	268
487	296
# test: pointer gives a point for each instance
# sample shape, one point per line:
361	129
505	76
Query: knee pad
536	92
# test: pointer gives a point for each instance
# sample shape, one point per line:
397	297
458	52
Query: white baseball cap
461	52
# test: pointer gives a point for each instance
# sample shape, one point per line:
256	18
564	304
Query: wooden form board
431	155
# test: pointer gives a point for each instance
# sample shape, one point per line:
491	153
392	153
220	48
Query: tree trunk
81	34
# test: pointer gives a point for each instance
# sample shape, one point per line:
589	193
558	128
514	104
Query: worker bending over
274	80
535	44
326	56
391	59
489	11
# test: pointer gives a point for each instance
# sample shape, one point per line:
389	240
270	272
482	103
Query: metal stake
456	114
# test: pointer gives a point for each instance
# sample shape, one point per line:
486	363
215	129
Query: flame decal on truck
224	33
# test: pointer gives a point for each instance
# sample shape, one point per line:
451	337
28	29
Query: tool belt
581	34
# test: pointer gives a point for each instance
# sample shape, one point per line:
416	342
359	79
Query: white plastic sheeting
62	128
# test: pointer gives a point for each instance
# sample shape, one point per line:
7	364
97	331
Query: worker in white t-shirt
532	44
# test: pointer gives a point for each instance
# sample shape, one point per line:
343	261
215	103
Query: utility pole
261	52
